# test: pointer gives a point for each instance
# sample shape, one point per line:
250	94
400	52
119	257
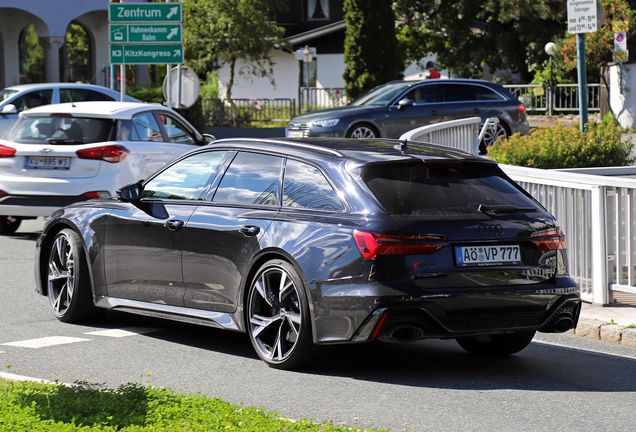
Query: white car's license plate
52	163
295	134
487	255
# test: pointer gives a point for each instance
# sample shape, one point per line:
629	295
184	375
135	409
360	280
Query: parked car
15	99
314	241
55	155
397	107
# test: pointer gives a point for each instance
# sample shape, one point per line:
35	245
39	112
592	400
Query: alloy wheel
62	274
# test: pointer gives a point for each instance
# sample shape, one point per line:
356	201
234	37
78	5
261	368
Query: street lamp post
550	49
304	57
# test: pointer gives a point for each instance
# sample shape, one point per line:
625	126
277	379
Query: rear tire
491	136
496	345
278	319
9	224
68	283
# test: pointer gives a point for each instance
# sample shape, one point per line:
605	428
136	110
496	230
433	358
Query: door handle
249	230
174	224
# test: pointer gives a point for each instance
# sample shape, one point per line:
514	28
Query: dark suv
315	241
397	107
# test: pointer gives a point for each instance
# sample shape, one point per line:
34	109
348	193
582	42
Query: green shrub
560	147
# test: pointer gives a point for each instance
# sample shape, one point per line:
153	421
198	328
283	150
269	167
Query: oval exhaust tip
563	324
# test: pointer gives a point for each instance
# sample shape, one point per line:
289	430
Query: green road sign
146	33
144	12
146	54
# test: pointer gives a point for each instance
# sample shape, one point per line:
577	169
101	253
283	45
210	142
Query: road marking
14	377
127	331
46	342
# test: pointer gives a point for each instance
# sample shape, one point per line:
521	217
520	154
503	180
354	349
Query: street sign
144	12
146	54
582	16
620	47
146	33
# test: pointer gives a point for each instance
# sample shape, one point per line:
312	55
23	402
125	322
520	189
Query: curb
602	330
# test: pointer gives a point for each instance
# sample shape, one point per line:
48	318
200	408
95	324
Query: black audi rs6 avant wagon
315	241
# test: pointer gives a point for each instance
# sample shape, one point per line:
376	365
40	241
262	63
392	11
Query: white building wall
330	70
622	94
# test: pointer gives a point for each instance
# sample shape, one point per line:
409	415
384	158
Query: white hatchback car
60	154
15	99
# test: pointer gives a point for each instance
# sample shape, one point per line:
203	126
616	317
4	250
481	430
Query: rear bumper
448	318
35	205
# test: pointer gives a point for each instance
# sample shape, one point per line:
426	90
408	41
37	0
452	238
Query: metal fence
563	98
313	98
218	112
596	213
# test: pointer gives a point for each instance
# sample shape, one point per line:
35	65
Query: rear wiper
63	141
494	210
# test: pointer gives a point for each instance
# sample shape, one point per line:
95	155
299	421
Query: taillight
6	151
110	153
522	108
372	244
2	192
549	240
97	194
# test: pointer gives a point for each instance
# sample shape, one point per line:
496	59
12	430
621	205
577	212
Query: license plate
52	163
467	256
295	134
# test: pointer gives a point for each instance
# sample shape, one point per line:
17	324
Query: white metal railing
463	134
596	213
562	97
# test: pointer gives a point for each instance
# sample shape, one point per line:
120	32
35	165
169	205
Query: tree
466	35
232	31
372	55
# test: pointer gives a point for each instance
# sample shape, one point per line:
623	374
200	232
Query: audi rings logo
491	229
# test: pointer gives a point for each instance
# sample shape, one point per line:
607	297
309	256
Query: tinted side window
459	93
484	93
185	179
82	95
177	133
251	179
33	99
146	128
306	187
423	94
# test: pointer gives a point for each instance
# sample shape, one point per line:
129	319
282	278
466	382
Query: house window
317	9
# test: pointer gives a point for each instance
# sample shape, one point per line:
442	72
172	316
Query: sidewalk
607	323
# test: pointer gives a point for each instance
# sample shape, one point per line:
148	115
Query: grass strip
31	406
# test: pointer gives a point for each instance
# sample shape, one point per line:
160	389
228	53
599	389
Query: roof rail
286	143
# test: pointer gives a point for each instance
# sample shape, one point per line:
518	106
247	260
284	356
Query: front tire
9	224
68	284
278	319
496	345
363	130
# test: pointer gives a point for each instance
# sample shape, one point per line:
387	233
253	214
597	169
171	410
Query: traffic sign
144	12
146	54
582	16
146	33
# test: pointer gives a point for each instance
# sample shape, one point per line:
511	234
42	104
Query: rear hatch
48	146
461	225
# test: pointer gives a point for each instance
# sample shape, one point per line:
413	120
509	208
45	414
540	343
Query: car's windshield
60	130
6	94
381	96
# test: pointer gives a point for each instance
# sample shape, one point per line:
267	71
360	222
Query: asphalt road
560	382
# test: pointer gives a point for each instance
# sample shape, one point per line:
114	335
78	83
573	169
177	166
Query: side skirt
220	320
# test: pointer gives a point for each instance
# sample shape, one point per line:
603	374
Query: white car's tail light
6	151
97	194
110	153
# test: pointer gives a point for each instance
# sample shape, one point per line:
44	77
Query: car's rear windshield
440	190
60	130
381	96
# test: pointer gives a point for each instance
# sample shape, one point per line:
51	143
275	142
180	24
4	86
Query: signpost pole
169	75
582	77
122	80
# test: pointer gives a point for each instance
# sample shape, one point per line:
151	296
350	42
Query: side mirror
9	109
207	138
404	103
130	193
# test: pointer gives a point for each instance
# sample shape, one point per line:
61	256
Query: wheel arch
257	261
